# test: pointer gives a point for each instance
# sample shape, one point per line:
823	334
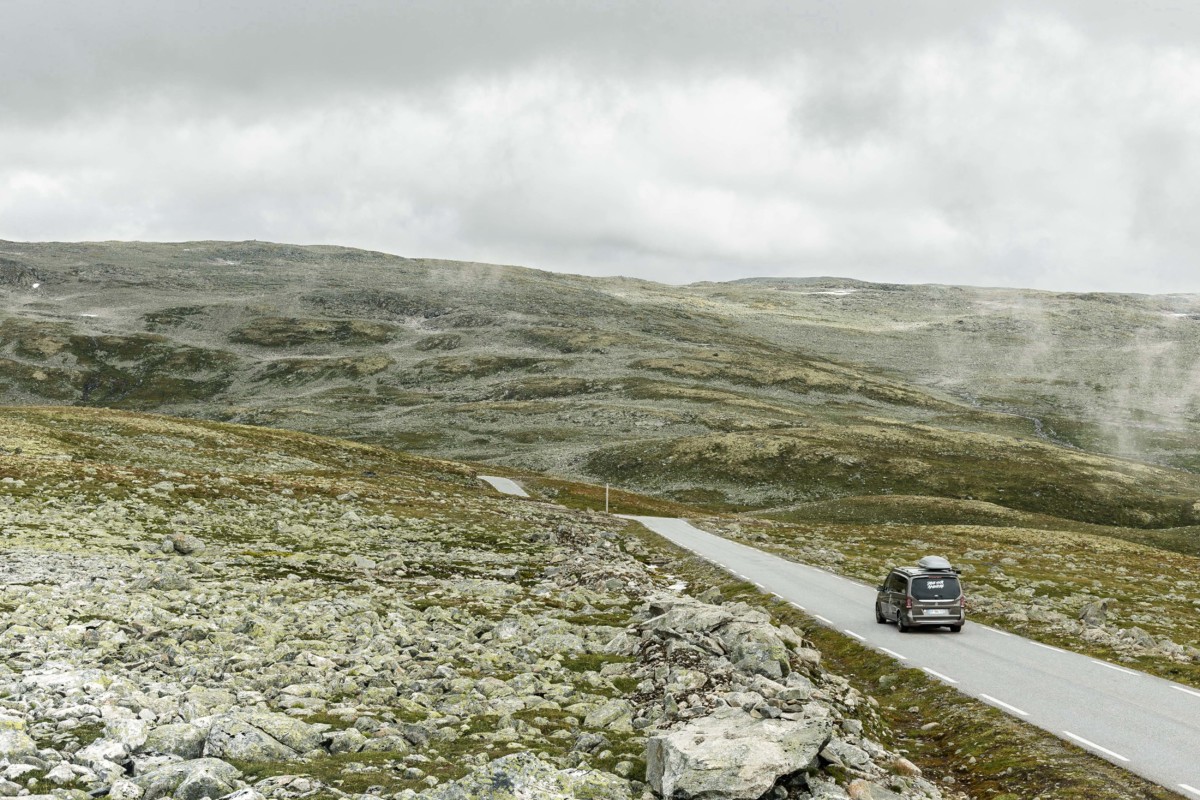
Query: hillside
749	394
189	609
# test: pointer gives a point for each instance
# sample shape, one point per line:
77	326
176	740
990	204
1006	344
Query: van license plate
936	612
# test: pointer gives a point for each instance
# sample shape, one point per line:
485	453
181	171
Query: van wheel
900	626
879	615
955	628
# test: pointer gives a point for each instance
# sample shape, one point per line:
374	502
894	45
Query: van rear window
939	588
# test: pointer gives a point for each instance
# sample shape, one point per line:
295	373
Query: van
928	595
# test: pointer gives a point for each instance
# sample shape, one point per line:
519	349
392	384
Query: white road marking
1095	746
759	585
1047	647
1114	666
939	675
797	605
849	632
826	620
995	630
1003	704
1191	789
894	654
1192	692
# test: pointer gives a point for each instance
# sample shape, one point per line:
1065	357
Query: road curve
1143	723
504	485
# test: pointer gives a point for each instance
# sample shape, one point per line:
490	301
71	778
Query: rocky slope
848	388
195	610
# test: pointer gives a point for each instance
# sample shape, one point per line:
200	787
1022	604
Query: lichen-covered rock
182	739
347	741
205	783
14	741
234	738
288	731
522	776
731	755
123	789
204	772
1095	614
614	715
183	543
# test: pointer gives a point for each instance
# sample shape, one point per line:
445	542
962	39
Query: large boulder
731	755
182	739
289	731
234	738
182	543
1095	614
15	743
523	775
197	778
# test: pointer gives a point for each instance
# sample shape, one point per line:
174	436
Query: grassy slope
69	454
749	394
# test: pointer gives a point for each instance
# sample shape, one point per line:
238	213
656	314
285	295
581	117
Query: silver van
925	596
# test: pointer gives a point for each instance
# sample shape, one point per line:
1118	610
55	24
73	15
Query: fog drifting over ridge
1039	145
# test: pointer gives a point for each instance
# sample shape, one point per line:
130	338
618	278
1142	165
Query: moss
592	662
304	370
352	773
293	332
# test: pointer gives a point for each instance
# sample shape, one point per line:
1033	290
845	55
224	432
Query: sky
1050	145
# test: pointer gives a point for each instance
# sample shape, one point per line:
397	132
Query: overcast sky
1046	145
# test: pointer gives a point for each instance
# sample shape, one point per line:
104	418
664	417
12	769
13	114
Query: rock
845	754
15	743
730	755
61	775
123	789
182	739
182	543
291	732
347	741
201	702
523	775
205	783
860	789
245	794
129	732
102	750
1094	614
614	715
234	738
761	658
1140	638
207	773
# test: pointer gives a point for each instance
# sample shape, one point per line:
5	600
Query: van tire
900	626
956	628
879	615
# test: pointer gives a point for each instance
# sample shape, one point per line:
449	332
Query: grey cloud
1045	145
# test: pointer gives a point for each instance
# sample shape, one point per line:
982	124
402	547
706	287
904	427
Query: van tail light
908	602
962	601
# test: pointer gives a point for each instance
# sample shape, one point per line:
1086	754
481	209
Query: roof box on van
934	563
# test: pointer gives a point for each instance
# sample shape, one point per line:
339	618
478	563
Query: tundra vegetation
1046	442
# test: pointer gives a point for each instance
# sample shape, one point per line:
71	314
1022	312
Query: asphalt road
504	485
1145	724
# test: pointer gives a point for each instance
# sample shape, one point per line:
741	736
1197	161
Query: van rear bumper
916	618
